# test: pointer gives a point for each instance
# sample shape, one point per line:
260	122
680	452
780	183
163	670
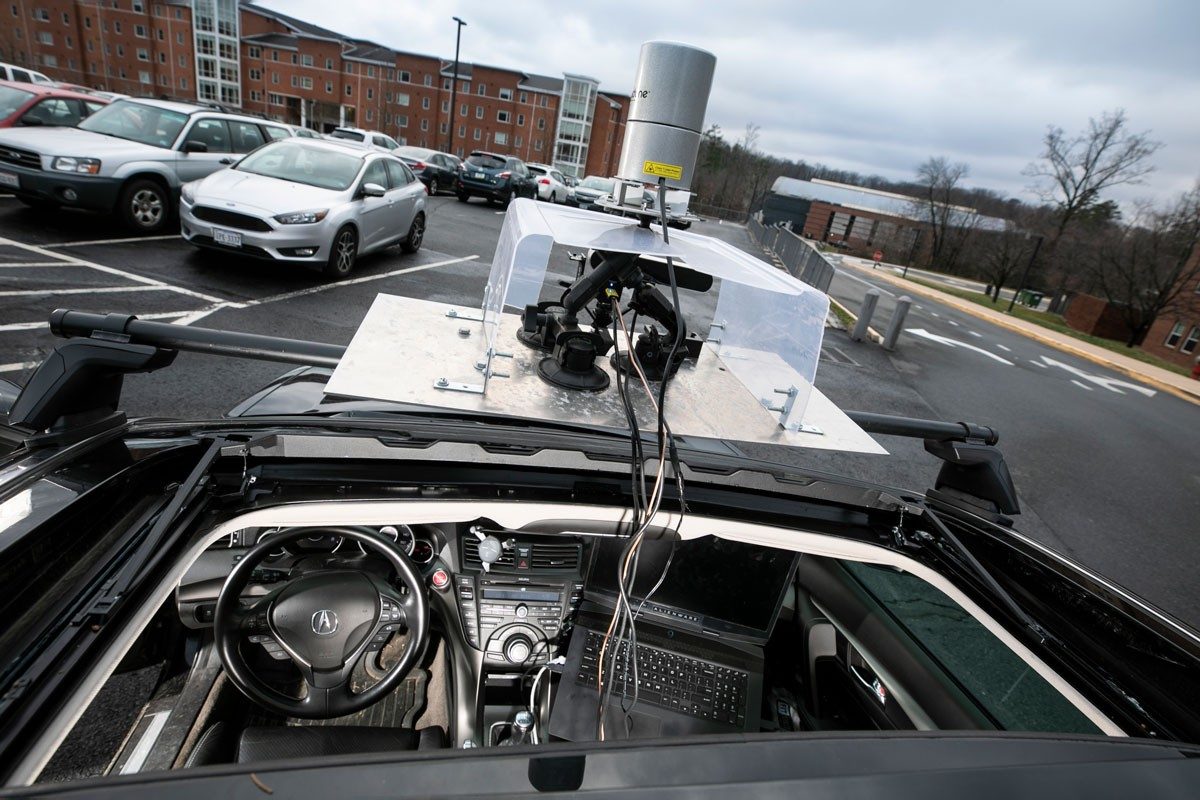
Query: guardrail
794	253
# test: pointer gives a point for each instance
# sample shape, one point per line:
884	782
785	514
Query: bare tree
950	225
1144	267
1074	171
1000	256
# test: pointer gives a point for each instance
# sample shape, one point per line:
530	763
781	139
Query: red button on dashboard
440	579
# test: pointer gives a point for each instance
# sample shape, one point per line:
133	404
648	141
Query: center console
514	610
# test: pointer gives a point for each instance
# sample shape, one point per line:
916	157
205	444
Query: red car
29	104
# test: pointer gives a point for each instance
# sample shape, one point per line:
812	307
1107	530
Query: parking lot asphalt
1125	516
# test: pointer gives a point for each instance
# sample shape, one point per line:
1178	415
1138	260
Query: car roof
493	155
540	166
419	152
42	90
333	145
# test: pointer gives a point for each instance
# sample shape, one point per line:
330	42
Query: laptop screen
715	584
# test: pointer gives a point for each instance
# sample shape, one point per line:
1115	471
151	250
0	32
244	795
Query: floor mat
398	710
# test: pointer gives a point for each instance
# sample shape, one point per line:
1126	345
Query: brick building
264	62
1175	335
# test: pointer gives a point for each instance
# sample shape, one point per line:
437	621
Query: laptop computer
700	638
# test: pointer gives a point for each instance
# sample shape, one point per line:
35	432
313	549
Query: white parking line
976	335
952	322
18	366
846	274
14	264
1081	384
326	287
84	290
87	242
111	270
1005	349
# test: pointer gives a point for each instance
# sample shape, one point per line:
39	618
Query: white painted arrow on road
946	340
1112	384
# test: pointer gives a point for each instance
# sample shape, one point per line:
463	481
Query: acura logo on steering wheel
324	622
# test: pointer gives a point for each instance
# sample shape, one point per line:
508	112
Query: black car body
438	171
495	177
921	647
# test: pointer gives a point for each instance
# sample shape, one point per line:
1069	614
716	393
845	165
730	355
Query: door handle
870	682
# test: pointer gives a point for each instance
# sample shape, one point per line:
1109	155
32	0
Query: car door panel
214	134
374	213
404	192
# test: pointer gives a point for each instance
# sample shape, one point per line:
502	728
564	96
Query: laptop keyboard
669	680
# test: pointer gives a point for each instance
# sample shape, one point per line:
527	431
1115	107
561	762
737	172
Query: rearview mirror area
372	190
195	147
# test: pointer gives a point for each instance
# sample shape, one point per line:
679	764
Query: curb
967	307
872	334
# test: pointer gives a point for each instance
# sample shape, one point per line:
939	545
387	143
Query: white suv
551	184
11	72
129	158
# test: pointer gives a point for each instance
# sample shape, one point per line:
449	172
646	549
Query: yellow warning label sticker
672	171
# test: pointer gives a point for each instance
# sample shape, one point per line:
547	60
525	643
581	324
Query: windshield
484	161
351	135
136	122
600	184
12	98
301	162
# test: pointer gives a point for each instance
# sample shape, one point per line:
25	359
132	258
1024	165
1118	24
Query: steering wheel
324	621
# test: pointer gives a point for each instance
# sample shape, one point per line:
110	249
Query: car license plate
476	175
8	179
227	238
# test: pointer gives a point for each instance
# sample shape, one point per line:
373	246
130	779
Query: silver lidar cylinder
666	114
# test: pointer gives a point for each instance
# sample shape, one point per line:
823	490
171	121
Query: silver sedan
309	201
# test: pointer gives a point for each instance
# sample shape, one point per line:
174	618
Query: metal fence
800	258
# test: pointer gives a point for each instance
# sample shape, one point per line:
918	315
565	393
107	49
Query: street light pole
454	84
1024	275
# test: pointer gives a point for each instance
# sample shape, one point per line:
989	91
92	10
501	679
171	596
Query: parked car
313	202
12	72
373	138
303	132
496	177
591	189
435	169
551	185
129	158
35	105
107	97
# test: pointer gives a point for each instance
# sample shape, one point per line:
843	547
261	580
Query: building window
256	74
524	97
541	126
478	112
442	128
139	31
402	120
274	55
462	110
87	21
500	138
306	82
391	74
275	99
254	52
49	60
482	89
328	87
349	68
45	37
446	84
121	50
424	124
138	6
144	77
349	90
506	94
401	99
295	58
143	54
161	34
1189	344
306	60
179	37
370	115
370	93
445	106
1174	336
425	103
520	120
162	58
462	131
543	101
477	135
183	61
537	145
275	77
516	141
370	71
41	14
183	83
405	76
429	80
66	16
329	63
116	27
502	116
465	88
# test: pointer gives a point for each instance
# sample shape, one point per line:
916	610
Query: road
1106	470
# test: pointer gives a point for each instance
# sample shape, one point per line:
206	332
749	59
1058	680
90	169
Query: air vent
471	554
546	557
556	556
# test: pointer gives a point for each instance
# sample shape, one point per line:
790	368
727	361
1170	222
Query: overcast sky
874	86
